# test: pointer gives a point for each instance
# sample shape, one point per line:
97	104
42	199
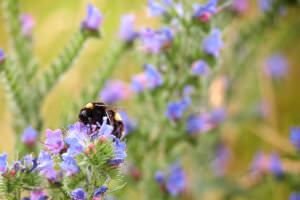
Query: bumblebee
93	113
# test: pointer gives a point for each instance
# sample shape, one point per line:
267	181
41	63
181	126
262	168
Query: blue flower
54	141
28	24
156	9
17	165
263	163
220	164
276	165
114	91
69	165
127	31
29	136
204	12
99	192
129	124
295	137
200	67
175	110
2	56
188	90
78	194
34	165
119	153
217	116
93	19
138	83
46	165
151	41
149	79
159	177
213	43
105	129
276	66
294	196
75	147
176	181
3	163
152	76
198	123
264	5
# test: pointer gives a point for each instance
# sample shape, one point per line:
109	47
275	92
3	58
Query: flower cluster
263	163
174	181
80	151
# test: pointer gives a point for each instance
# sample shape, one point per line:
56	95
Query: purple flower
75	147
2	56
156	9
175	110
17	165
200	67
54	141
264	5
114	91
69	165
138	82
46	166
217	116
294	196
176	182
213	43
77	139
127	31
119	153
159	177
105	129
99	192
263	163
149	79
276	66
3	163
152	76
129	124
295	137
28	24
220	164
198	123
38	195
153	41
78	194
188	90
204	12
29	136
275	165
93	19
240	6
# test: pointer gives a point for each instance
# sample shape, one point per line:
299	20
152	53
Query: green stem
20	43
63	63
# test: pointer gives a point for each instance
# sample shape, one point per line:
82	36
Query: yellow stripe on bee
89	105
118	117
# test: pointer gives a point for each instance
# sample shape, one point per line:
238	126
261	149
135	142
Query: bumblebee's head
84	116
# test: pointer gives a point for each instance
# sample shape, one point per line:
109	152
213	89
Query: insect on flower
93	113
